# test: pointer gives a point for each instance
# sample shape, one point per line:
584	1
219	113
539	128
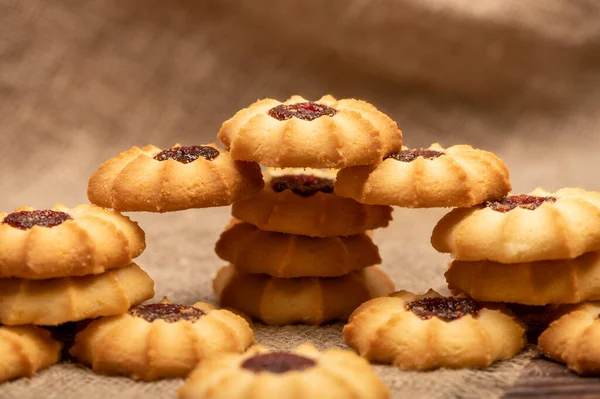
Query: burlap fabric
81	81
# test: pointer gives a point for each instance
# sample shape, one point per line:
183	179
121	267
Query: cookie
302	373
457	176
61	242
523	228
301	202
305	300
160	340
24	350
533	283
424	332
252	250
56	301
154	180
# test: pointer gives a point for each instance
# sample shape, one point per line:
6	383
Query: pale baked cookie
423	332
24	350
303	373
154	180
305	300
523	228
59	300
457	176
160	340
61	242
300	201
326	133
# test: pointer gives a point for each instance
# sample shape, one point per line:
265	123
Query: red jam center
445	308
278	363
522	201
188	154
27	219
307	111
168	312
302	185
412	154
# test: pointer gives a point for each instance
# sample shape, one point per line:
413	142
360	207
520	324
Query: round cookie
523	228
424	332
161	340
305	300
252	250
61	242
154	180
24	350
56	301
301	202
303	373
298	133
457	176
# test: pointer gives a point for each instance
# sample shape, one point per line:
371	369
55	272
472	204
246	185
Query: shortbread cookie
61	242
154	180
160	340
523	228
303	373
457	176
298	133
24	350
305	300
253	250
423	332
533	283
56	301
301	202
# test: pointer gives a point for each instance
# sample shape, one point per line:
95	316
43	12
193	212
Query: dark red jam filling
302	185
522	201
27	219
307	111
188	154
168	312
278	363
412	154
445	308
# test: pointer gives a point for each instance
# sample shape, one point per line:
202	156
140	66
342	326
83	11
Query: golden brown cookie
24	350
303	373
523	228
56	301
62	242
154	180
305	300
326	133
457	176
160	340
423	332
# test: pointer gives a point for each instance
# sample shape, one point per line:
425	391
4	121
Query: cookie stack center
25	220
445	308
188	154
278	363
307	111
509	203
166	311
302	185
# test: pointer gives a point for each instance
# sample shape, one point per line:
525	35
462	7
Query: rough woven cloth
81	81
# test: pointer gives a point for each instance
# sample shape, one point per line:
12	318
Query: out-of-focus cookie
424	332
304	300
523	228
303	373
154	180
326	133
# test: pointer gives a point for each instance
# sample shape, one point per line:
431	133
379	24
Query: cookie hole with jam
25	220
277	363
307	111
166	311
529	202
304	185
189	154
444	308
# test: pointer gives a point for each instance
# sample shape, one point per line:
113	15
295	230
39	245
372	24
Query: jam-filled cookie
326	133
154	180
523	228
302	373
253	250
24	350
423	332
457	176
56	301
61	242
160	340
305	300
298	201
